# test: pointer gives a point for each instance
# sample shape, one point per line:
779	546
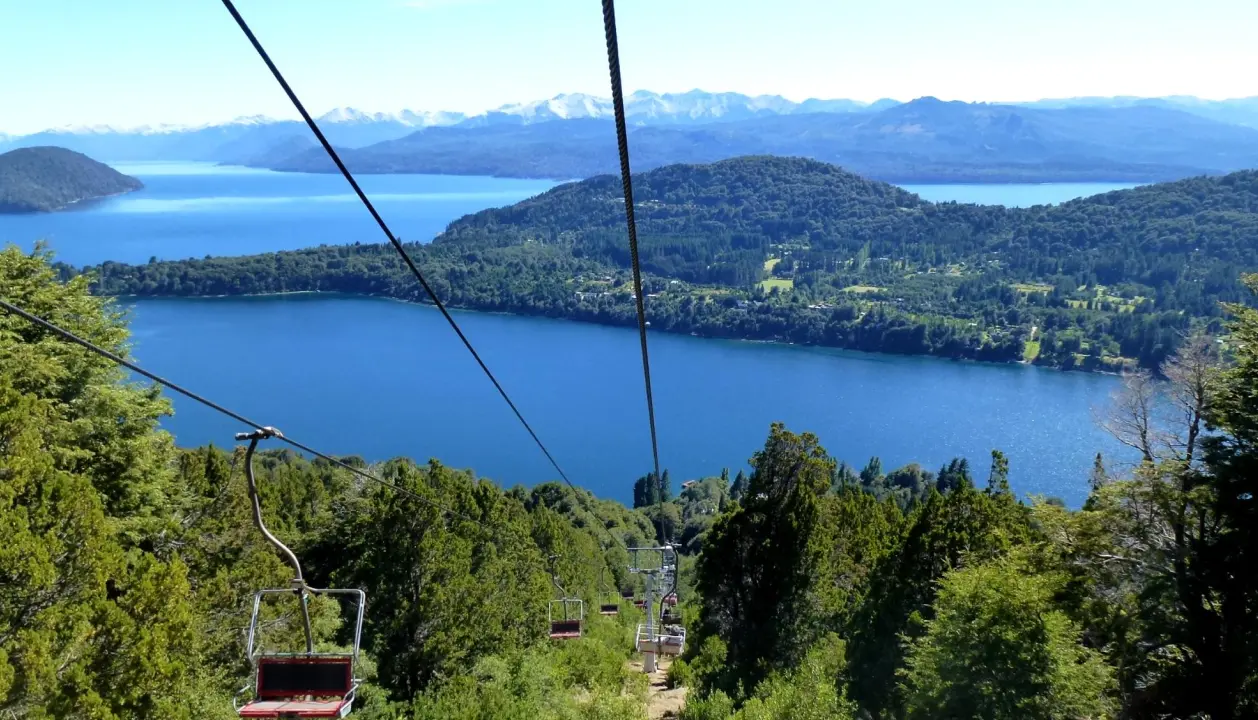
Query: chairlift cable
66	334
626	179
397	245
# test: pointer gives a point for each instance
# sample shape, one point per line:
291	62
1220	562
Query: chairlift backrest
317	676
565	629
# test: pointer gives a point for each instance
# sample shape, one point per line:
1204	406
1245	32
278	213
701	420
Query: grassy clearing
771	263
782	284
1031	350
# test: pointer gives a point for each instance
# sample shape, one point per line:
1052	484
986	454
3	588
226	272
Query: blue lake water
381	379
1018	195
196	209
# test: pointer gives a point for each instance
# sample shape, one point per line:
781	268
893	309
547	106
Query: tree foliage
759	560
998	648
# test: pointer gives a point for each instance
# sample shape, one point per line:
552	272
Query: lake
196	209
382	378
1014	195
190	209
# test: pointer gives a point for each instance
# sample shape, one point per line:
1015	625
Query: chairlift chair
566	614
296	685
566	617
608	601
661	641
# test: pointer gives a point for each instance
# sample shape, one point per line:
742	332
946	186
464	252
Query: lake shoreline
507	313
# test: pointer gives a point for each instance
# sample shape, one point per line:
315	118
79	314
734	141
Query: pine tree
759	561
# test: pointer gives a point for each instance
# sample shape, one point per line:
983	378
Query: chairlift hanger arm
253	437
299	583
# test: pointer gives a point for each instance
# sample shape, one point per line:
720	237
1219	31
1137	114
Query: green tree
954	475
759	561
648	491
1164	554
871	474
739	488
998	649
443	591
945	530
96	619
998	478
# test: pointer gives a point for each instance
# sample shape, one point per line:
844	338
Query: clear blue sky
131	62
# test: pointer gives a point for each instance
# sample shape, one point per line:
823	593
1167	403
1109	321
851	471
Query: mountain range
256	138
568	136
926	140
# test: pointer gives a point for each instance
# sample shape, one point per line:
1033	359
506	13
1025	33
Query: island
44	179
800	251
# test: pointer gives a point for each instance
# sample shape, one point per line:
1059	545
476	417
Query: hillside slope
43	179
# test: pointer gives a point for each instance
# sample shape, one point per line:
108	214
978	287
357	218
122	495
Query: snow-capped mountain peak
565	106
351	115
410	118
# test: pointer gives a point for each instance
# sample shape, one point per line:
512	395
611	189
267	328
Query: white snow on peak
565	106
409	118
642	106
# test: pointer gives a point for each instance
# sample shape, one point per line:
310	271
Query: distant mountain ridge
42	179
926	140
1236	111
556	137
257	140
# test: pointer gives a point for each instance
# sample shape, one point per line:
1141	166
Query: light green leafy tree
997	648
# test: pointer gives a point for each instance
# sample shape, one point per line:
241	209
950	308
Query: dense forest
800	251
810	589
40	179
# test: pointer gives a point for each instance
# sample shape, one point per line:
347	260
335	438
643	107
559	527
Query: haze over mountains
569	136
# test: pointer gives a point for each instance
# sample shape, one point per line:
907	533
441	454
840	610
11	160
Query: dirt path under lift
661	703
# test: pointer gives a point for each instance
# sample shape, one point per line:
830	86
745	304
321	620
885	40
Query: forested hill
699	220
41	179
796	250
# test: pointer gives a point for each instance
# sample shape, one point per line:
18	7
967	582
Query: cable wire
626	179
397	245
66	334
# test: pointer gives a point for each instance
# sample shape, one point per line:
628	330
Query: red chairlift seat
299	686
565	629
